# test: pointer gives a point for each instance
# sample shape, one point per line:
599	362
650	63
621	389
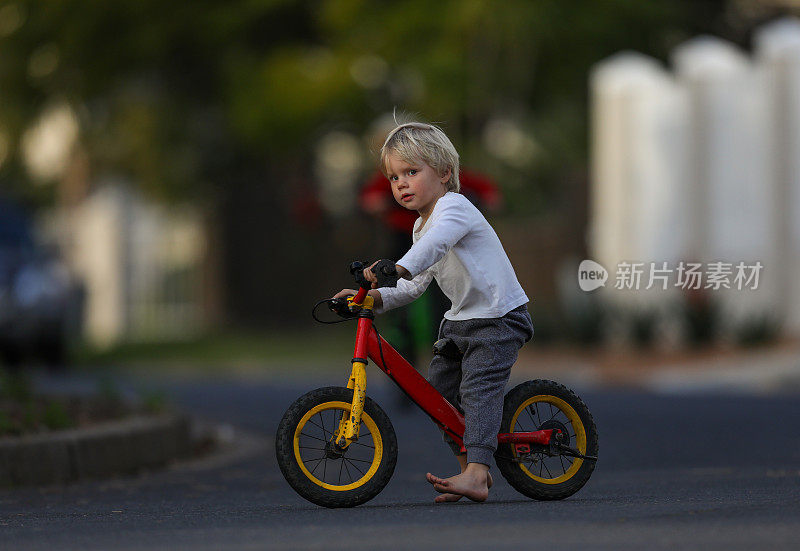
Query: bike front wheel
316	468
540	473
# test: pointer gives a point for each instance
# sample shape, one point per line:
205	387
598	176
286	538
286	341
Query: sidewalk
764	369
773	367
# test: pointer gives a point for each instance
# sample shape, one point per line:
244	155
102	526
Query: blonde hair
416	141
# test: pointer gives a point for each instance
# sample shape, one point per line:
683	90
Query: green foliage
757	330
15	386
154	402
55	416
177	94
256	348
7	425
702	319
108	390
643	324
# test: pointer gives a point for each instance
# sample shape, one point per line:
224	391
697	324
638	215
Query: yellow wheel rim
366	421
577	426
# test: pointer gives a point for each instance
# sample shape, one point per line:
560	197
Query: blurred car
40	302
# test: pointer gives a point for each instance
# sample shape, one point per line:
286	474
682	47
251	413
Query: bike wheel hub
560	432
332	451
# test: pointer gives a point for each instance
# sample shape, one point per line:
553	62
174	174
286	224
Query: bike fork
348	428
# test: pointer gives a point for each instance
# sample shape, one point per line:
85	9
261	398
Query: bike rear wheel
540	473
319	471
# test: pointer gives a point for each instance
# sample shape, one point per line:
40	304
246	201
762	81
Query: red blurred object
376	199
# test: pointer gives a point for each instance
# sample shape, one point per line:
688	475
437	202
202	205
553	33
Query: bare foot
448	497
473	483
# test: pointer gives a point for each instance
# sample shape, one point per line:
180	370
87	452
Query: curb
116	448
760	370
773	373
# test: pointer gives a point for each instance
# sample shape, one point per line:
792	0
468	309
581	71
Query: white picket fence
141	265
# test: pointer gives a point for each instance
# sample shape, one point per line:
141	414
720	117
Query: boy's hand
376	296
371	277
345	293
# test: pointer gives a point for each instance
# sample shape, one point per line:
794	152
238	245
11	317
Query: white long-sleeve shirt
458	248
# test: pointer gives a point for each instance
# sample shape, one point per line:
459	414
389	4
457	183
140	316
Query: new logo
591	275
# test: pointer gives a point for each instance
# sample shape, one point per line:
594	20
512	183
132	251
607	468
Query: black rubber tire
307	488
513	472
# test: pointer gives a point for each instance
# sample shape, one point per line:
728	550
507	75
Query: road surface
675	471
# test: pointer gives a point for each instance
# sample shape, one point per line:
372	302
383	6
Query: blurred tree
500	73
149	81
224	101
175	94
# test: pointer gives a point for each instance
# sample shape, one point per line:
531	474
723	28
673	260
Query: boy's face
415	185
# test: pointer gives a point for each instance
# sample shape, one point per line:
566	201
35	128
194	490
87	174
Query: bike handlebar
360	295
384	270
386	273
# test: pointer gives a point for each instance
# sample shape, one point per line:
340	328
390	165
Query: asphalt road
692	471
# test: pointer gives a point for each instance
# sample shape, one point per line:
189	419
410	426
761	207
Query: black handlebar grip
386	272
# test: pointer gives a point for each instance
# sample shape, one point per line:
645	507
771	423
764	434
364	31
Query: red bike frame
371	345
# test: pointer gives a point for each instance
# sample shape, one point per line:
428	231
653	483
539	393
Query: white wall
733	188
777	49
701	163
638	167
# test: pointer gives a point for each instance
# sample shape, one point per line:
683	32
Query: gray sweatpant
475	384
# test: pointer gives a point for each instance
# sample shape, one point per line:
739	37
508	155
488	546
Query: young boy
488	321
